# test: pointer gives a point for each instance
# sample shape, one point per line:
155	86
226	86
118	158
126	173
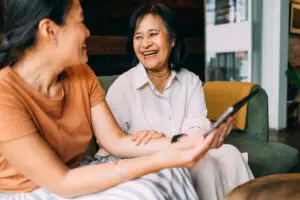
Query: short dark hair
178	52
20	23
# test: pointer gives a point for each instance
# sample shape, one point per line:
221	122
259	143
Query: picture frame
295	19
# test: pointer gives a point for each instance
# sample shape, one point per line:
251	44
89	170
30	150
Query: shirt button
170	118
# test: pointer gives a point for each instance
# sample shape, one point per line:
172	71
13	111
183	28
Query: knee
207	166
230	154
231	150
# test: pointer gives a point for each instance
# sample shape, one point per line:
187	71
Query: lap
167	184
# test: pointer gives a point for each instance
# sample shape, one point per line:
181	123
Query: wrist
177	137
160	160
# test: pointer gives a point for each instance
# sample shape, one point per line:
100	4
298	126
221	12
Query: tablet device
231	111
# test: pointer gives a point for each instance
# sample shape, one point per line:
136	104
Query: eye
153	34
138	37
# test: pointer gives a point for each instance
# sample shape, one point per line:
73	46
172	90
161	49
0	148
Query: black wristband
176	138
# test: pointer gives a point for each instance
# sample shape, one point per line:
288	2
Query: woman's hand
188	150
144	136
225	130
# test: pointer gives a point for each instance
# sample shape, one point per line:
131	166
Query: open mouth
147	54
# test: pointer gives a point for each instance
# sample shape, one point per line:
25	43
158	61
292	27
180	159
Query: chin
84	61
151	66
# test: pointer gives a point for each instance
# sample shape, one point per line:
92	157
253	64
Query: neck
159	77
41	74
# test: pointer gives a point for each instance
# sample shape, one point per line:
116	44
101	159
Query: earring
172	65
54	42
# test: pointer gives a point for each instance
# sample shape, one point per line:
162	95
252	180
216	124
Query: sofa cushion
265	158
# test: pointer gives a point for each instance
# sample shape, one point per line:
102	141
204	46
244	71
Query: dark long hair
20	23
178	52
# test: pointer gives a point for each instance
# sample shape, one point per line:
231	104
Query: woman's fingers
140	137
144	136
158	135
224	130
223	134
229	124
216	139
149	136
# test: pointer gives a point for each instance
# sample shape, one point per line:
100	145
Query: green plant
294	76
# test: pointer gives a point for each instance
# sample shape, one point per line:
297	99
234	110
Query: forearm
94	178
128	148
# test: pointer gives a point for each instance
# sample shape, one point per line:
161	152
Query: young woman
162	96
50	105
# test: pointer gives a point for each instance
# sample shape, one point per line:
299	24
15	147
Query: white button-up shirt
137	105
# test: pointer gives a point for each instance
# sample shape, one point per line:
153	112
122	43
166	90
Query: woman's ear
48	30
173	41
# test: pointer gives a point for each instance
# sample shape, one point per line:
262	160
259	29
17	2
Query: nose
88	33
146	42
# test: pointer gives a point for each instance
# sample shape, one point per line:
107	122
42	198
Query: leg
168	184
232	167
207	179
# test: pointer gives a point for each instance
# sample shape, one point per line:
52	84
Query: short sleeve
96	92
15	121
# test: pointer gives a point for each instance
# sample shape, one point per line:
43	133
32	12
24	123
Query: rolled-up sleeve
119	103
196	111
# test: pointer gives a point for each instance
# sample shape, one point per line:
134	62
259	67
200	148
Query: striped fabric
168	184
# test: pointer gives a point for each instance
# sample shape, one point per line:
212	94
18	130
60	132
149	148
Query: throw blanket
220	95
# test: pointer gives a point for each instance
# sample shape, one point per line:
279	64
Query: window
230	66
228	40
226	11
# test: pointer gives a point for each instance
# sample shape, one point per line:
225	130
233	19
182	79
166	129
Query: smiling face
151	43
72	37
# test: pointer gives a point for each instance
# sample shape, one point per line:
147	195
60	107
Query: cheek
136	48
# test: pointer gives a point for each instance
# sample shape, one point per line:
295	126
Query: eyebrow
148	31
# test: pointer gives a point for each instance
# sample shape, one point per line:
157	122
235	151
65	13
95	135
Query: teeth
149	53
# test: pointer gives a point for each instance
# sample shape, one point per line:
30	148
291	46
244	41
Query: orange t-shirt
63	122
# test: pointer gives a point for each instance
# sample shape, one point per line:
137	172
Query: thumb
206	143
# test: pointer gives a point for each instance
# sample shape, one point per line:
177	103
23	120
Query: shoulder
11	97
10	87
189	77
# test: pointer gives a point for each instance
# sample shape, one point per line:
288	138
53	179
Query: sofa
264	157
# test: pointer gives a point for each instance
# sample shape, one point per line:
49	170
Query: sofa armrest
257	125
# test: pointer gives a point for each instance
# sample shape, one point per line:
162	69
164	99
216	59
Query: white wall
274	58
228	37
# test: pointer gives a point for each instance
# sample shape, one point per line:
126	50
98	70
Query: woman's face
72	37
151	43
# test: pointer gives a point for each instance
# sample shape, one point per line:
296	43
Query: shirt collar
141	78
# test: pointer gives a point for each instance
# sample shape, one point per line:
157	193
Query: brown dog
274	187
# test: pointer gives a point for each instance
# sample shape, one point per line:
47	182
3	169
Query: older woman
161	96
51	103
